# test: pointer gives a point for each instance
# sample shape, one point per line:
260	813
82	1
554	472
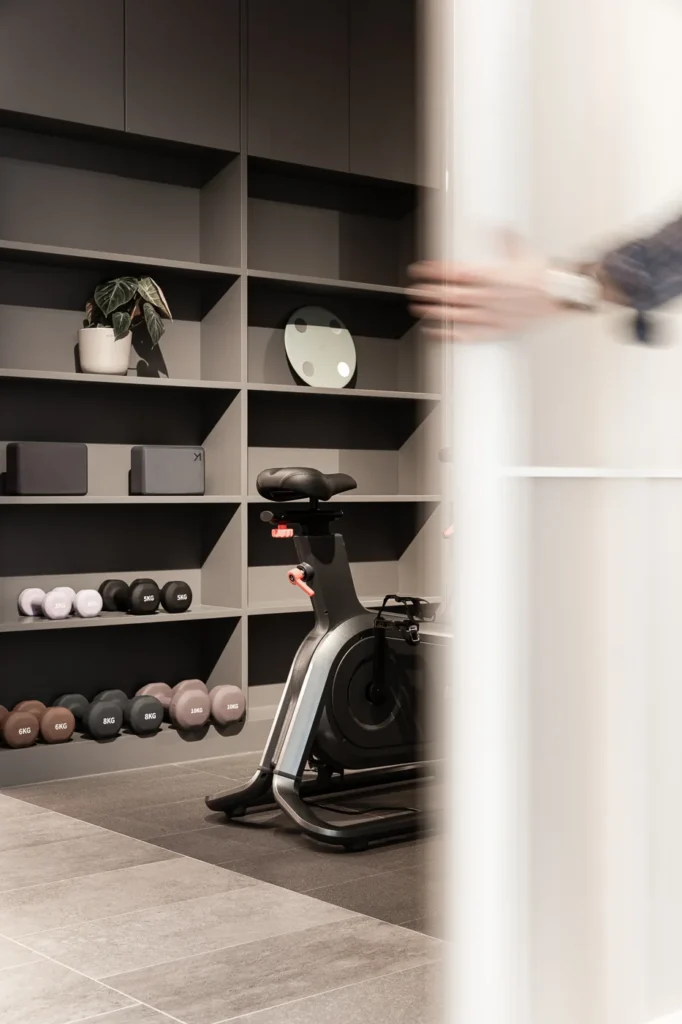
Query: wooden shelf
301	389
293	606
27	624
108	150
59	255
325	285
85	756
211	280
121	499
338	499
103	378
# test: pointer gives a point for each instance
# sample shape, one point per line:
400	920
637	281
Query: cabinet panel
63	60
383	88
182	71
298	81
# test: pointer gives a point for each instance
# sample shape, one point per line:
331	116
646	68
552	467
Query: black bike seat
292	483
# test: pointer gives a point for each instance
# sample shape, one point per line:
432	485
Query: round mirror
320	350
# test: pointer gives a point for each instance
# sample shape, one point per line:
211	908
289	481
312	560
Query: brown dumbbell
161	691
34	707
228	704
190	708
190	684
20	729
57	725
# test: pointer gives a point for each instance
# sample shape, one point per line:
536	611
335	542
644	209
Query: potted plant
114	310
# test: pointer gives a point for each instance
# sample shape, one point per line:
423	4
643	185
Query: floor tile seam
347	915
130	913
108	917
124	1009
12	967
104	1013
89	874
133	1000
8	790
328	885
327	991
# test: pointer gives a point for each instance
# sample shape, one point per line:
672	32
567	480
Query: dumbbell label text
150	715
182	597
109	721
25	730
148	597
61	725
196	711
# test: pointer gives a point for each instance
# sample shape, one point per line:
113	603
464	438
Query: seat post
334	596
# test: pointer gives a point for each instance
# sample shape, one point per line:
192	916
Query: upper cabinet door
298	81
63	60
182	71
383	140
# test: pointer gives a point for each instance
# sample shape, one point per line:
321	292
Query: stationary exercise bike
354	698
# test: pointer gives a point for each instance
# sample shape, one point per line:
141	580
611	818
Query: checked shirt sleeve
648	272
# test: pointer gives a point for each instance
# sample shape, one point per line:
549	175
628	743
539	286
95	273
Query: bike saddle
293	483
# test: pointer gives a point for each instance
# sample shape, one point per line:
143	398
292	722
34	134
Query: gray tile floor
125	900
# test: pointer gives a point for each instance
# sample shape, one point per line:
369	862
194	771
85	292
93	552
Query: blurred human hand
467	302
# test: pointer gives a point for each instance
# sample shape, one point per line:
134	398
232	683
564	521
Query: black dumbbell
115	596
142	714
176	596
161	691
145	597
103	719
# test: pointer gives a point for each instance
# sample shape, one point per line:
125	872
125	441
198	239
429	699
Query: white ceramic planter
99	351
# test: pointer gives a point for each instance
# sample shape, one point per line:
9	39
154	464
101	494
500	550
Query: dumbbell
59	602
228	704
18	728
174	596
161	691
142	714
115	595
102	720
190	706
57	724
141	597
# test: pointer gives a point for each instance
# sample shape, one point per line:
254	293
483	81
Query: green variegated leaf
113	294
149	290
154	323
121	324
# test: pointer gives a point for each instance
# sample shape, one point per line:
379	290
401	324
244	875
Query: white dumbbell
60	602
67	590
57	604
87	603
30	601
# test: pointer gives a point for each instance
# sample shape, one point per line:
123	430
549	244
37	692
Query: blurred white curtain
566	896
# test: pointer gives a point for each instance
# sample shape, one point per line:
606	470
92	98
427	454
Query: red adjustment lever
297	577
282	530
